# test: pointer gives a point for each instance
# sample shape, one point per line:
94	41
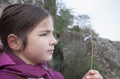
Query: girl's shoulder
7	75
56	74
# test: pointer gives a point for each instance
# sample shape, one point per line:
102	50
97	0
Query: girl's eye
43	34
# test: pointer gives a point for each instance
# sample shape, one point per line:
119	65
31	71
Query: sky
105	15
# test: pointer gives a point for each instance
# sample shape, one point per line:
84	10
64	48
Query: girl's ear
14	42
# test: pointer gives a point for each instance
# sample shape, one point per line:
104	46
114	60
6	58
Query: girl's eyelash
43	34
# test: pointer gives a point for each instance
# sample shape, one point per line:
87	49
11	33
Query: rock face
109	54
4	3
106	52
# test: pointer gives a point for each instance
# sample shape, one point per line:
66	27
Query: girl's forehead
46	24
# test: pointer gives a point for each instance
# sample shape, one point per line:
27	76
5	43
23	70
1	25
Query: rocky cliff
106	52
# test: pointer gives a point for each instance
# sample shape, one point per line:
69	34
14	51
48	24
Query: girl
26	32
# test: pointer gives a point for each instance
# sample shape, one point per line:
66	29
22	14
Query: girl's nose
53	41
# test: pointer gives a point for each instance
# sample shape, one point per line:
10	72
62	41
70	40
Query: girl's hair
18	19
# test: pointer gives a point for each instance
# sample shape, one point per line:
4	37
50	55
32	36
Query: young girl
26	33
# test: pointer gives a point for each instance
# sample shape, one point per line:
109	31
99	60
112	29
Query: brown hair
18	19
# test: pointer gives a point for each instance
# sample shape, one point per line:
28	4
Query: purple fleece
11	65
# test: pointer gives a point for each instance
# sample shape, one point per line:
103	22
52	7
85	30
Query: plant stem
92	53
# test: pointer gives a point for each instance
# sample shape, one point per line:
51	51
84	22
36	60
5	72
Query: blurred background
75	23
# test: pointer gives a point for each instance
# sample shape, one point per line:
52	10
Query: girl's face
40	43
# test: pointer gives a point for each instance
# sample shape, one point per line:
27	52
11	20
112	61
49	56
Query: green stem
92	53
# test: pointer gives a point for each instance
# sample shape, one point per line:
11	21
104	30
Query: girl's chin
48	58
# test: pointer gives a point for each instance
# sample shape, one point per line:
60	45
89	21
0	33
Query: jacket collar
14	64
6	60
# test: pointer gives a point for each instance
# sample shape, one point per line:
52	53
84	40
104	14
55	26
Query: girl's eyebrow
46	31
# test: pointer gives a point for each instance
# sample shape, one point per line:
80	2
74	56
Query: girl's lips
51	51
